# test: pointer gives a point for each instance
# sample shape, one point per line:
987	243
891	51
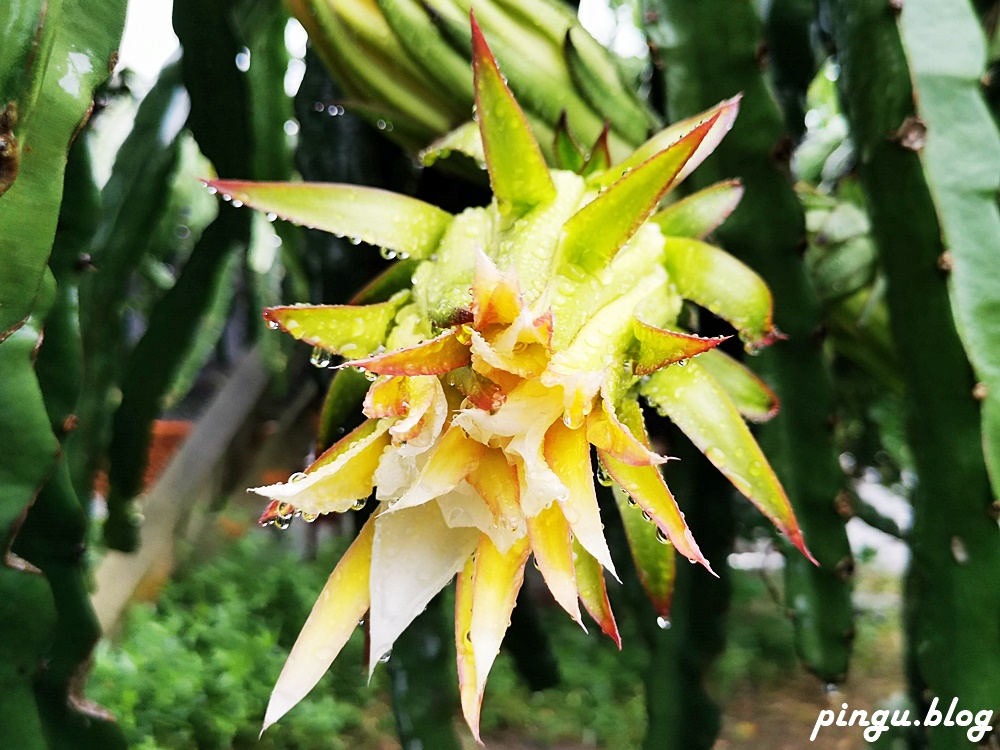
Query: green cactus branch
953	618
709	52
61	52
54	535
961	160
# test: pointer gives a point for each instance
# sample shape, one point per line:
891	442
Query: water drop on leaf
320	357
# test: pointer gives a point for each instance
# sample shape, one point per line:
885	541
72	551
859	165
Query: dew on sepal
663	623
320	357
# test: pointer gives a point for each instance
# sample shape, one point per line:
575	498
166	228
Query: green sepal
407	226
700	213
348	330
594	593
721	116
599	158
700	407
518	173
655	348
419	36
569	154
723	285
752	397
597	80
655	562
598	231
645	485
465	139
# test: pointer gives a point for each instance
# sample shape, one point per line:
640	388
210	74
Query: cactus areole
530	331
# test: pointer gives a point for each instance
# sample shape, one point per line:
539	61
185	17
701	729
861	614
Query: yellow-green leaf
348	330
406	226
700	407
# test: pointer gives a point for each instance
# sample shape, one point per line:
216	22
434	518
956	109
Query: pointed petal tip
796	538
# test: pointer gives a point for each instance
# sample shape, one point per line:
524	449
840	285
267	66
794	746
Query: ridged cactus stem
710	50
53	537
27	611
953	613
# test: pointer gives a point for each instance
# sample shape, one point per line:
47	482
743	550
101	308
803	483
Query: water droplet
212	190
360	503
310	517
272	217
573	421
661	536
227	197
298	476
387	253
243	60
647	517
320	357
272	324
385	657
959	551
282	522
603	478
681	363
630	500
370	376
355	240
663	623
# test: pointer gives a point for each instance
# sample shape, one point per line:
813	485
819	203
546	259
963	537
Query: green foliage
194	671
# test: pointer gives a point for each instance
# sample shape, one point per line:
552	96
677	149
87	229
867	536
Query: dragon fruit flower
518	336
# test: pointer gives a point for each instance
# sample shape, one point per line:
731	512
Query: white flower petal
414	555
464	508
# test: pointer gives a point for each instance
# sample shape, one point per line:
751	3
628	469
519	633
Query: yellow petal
498	577
339	477
426	412
389	396
553	549
567	452
521	424
496	482
464	508
451	461
606	433
343	601
496	298
472	697
414	555
433	357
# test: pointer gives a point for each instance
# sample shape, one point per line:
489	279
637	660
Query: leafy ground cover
194	670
